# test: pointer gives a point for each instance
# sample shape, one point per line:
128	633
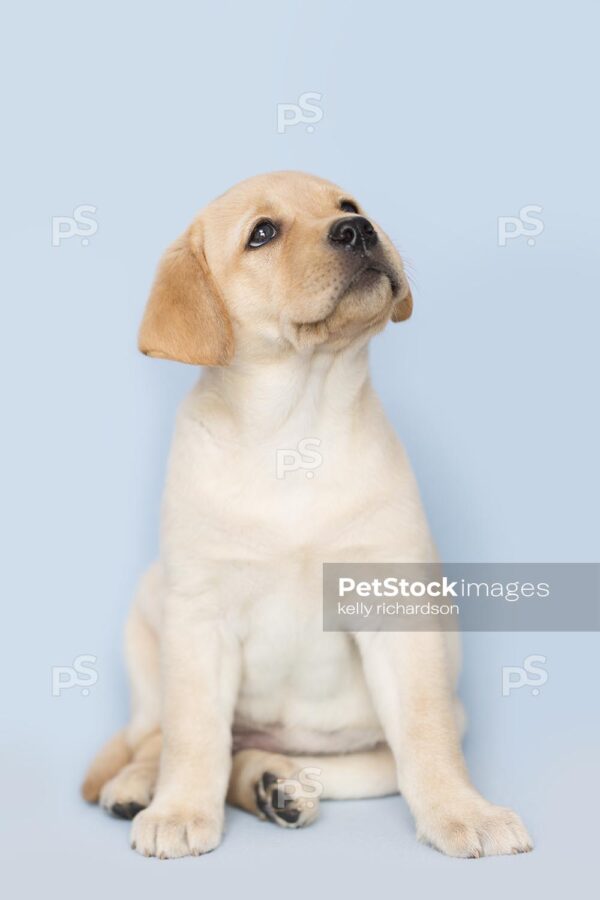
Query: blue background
440	117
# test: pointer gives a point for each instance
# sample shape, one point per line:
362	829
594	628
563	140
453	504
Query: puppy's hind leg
142	656
115	754
286	790
143	661
351	776
266	784
132	789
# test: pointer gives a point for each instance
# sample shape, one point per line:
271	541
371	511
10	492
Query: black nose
354	232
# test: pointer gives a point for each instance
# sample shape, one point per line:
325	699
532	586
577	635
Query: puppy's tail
110	760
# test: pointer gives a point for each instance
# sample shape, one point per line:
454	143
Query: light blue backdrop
441	117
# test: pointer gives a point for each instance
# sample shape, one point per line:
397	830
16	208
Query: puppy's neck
293	393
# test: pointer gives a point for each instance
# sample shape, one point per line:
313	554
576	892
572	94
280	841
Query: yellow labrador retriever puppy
278	286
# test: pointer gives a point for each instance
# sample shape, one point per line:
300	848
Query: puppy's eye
348	206
262	233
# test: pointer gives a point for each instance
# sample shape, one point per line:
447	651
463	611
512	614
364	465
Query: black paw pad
274	804
290	816
126	810
268	780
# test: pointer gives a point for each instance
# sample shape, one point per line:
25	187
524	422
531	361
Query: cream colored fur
225	647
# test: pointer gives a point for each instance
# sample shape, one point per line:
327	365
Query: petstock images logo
461	596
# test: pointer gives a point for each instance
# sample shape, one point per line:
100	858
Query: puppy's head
279	261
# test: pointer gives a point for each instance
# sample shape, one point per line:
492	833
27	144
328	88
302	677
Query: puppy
237	691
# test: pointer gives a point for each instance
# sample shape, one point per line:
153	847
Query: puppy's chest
295	495
291	668
285	651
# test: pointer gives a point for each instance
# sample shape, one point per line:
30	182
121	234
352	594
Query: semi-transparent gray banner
461	596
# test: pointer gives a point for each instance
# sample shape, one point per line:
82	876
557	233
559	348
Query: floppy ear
402	309
185	318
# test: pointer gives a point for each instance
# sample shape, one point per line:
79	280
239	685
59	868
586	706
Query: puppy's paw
172	834
474	828
129	792
275	803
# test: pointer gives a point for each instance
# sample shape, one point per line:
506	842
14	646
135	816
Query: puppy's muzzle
354	233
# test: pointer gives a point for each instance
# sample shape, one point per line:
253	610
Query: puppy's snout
353	232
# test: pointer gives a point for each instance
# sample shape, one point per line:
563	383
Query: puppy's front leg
409	678
200	673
